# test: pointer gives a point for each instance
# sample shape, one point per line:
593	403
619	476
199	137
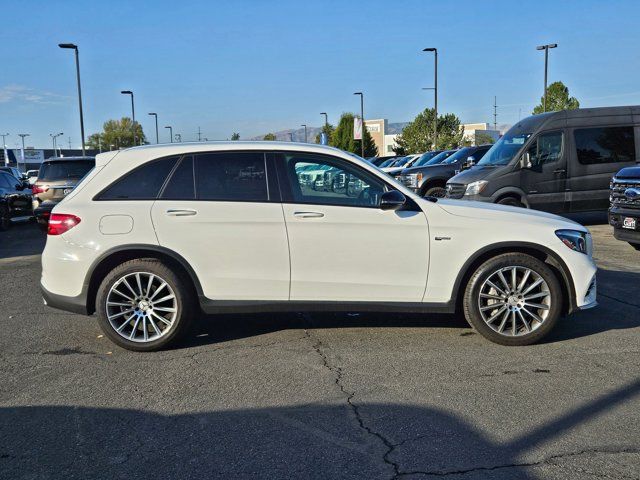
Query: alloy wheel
514	301
141	307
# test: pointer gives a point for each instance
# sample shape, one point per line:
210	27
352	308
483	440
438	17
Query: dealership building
34	157
378	129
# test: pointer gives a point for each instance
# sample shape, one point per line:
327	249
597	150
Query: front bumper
616	220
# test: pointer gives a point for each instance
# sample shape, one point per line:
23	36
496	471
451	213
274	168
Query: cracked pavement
320	396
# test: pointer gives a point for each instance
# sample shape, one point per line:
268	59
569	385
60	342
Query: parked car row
34	194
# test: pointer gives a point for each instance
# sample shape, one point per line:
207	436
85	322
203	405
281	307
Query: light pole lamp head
357	93
126	92
68	45
430	49
153	114
544	47
323	113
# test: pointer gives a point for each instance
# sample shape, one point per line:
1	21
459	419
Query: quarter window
546	148
143	183
331	181
605	145
231	177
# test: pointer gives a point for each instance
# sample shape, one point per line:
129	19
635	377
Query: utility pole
199	135
70	143
495	113
546	64
435	94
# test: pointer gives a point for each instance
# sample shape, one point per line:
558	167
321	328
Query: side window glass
547	148
331	181
181	185
230	176
143	183
4	182
605	145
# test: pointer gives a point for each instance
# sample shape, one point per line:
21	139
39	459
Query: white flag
357	128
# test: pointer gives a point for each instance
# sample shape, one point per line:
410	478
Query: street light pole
133	115
75	48
4	148
54	141
24	162
305	132
156	115
170	133
546	64
326	119
362	120
435	95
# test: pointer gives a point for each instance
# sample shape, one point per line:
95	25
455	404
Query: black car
624	210
430	180
15	200
559	162
43	212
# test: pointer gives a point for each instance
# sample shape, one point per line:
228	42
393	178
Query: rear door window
231	176
605	145
143	183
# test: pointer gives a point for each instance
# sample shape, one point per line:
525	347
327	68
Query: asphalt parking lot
319	396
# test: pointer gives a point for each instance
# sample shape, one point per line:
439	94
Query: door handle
181	213
308	214
560	170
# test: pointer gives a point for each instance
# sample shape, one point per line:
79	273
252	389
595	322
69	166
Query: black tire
635	245
5	218
511	201
438	192
471	300
184	298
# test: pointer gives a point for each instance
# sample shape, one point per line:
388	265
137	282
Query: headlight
575	240
474	188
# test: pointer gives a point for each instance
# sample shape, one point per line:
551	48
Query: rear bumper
68	304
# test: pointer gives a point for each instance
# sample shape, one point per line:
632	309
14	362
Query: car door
544	178
342	246
598	154
218	212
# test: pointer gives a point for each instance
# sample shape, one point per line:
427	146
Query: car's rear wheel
143	305
5	218
438	192
513	299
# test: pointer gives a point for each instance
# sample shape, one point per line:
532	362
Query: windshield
461	154
424	158
440	157
65	170
402	161
388	162
511	142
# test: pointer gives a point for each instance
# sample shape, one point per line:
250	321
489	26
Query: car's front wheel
513	299
143	305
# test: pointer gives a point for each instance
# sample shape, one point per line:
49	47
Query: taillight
60	223
38	189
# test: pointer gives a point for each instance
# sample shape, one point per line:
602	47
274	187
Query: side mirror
470	162
525	160
392	200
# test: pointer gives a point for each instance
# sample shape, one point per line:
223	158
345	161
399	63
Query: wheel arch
544	254
433	182
123	253
511	192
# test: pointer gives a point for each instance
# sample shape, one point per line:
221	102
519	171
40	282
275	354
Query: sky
255	67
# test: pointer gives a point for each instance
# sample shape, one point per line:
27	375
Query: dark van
557	161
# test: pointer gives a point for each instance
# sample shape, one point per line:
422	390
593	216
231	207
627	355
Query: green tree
342	138
270	136
328	129
417	136
235	136
118	133
484	139
557	99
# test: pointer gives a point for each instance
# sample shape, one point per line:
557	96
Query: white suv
154	235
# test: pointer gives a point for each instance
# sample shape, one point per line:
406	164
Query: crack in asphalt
337	371
545	460
618	300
